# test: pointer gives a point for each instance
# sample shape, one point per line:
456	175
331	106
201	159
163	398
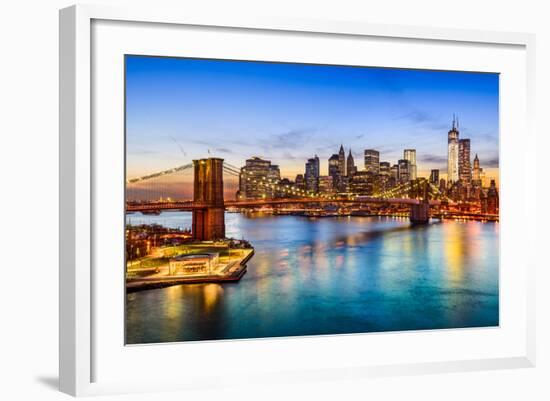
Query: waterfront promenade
231	270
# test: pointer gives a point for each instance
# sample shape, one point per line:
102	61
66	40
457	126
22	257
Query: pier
232	271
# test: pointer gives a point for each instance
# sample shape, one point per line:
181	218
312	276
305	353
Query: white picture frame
77	368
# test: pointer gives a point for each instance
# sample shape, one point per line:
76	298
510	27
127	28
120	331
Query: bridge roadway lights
209	219
420	213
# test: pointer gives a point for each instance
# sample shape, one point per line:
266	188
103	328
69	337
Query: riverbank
233	272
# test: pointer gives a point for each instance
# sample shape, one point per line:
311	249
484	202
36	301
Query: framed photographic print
291	199
264	192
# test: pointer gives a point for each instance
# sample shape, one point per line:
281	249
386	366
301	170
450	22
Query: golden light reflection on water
390	246
473	248
263	267
407	245
352	240
172	304
283	265
212	293
454	252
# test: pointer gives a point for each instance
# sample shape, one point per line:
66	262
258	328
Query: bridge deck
268	202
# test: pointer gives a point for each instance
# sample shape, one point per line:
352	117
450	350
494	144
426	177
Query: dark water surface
329	276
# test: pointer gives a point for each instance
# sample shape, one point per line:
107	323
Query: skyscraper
404	173
285	188
385	168
361	183
442	185
394	172
299	182
372	161
317	166
464	165
452	154
410	155
274	174
492	198
326	187
334	170
342	161
434	177
255	177
350	165
476	173
311	177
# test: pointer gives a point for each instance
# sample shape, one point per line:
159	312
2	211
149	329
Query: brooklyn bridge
209	204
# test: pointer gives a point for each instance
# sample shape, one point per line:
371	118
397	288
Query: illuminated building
334	170
311	176
492	199
483	202
342	161
284	189
326	185
394	172
257	178
361	183
404	174
344	184
476	173
442	185
434	177
350	165
299	182
274	174
372	161
410	156
452	154
194	263
385	169
464	165
382	182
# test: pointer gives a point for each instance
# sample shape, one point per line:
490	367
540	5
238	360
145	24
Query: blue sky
178	109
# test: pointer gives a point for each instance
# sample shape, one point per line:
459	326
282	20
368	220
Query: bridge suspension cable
159	174
231	170
405	189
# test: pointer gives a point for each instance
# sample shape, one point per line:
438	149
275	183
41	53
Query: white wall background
29	186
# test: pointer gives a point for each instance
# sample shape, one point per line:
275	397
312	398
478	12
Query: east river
328	276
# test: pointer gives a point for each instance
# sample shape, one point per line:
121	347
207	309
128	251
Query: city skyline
272	199
274	111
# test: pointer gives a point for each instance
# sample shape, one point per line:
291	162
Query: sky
180	109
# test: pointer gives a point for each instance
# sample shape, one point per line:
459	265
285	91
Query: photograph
272	199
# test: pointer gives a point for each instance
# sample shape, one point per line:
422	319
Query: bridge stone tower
208	215
420	213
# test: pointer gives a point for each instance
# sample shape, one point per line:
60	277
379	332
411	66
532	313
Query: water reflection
212	293
333	275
